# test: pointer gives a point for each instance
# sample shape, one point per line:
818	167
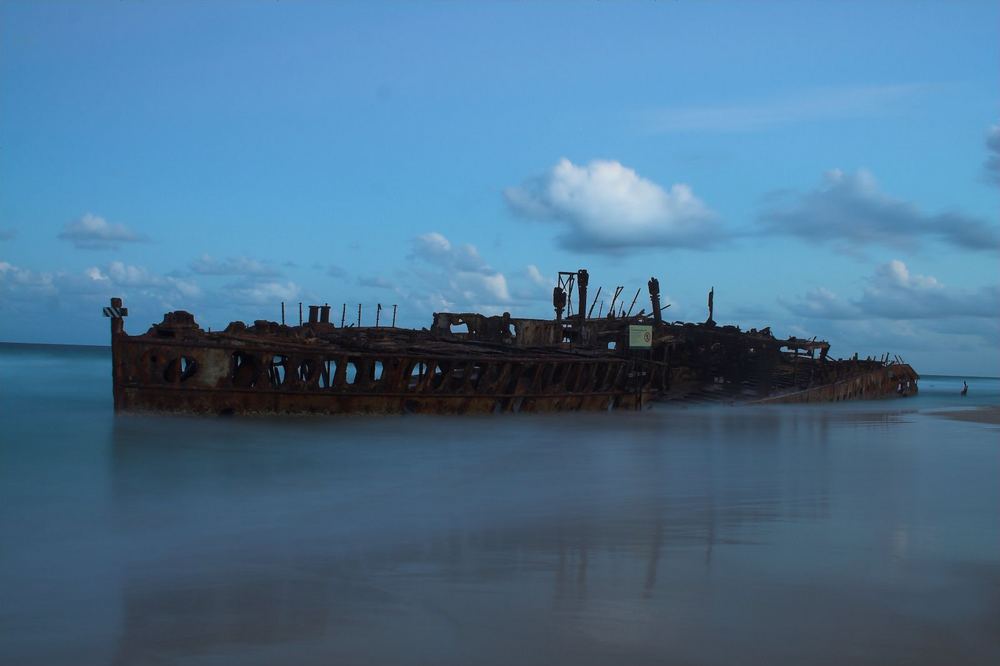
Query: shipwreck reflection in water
275	532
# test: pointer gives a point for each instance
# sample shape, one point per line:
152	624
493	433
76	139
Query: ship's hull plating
239	379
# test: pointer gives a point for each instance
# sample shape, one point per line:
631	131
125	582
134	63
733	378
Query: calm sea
862	533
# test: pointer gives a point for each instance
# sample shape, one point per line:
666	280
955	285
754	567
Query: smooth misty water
861	533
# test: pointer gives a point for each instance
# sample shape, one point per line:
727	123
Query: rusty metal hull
224	375
894	381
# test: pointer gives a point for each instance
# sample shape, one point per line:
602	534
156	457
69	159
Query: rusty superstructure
474	363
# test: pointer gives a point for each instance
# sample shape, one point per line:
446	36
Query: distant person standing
965	387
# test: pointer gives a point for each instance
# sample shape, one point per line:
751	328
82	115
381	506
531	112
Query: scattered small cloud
992	165
92	232
535	276
233	266
850	211
449	276
433	247
529	287
803	106
492	286
21	283
7	234
336	271
137	278
95	284
606	207
894	292
375	281
822	303
269	292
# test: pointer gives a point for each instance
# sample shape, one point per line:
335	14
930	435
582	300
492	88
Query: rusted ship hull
898	380
507	386
496	364
229	375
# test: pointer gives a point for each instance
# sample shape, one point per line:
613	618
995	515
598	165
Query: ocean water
862	533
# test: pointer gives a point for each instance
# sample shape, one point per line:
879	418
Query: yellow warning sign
640	337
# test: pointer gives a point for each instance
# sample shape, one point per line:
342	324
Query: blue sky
832	169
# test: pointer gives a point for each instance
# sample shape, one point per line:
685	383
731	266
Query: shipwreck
474	363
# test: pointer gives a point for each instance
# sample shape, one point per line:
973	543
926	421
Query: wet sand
989	414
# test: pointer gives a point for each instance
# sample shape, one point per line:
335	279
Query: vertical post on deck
596	296
611	308
282	313
117	313
394	316
654	298
634	299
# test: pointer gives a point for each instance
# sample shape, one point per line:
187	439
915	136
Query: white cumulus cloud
608	207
